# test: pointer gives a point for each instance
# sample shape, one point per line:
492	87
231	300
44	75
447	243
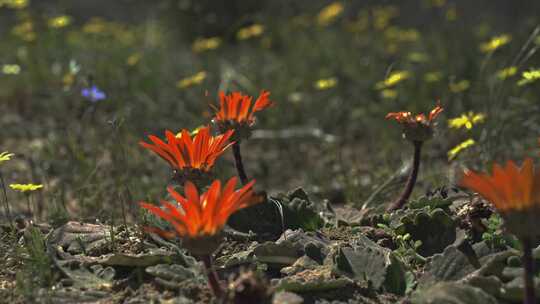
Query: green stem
411	181
28	205
528	264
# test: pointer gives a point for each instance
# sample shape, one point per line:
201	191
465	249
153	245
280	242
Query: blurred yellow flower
5	156
133	59
529	76
451	13
462	146
25	187
329	13
495	43
250	31
418	57
393	79
11	69
94	26
389	94
396	34
59	21
205	44
25	31
433	76
460	86
382	16
325	83
502	74
466	120
437	3
14	4
191	80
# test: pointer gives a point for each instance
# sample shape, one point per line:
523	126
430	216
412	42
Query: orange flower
183	152
416	127
515	193
237	108
201	217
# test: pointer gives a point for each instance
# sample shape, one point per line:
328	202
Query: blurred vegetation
334	70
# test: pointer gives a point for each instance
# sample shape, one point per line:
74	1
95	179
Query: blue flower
93	94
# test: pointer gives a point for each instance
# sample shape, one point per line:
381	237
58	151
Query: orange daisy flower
237	111
514	191
184	152
200	217
416	127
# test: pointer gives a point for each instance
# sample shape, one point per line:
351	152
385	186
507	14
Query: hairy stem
8	211
213	279
528	263
411	181
239	163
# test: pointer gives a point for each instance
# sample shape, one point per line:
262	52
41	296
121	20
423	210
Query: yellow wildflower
451	13
466	120
25	31
462	146
506	72
389	94
94	26
25	187
418	57
206	44
5	156
59	21
495	43
529	76
133	59
191	80
329	13
11	69
433	76
250	31
382	16
325	83
393	79
460	86
14	4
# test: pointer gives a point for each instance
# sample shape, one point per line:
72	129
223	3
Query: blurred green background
334	69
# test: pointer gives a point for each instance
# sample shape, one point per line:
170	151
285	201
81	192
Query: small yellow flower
191	80
251	31
393	79
389	94
382	16
506	72
59	21
94	26
451	13
460	86
206	44
25	31
462	146
495	43
433	76
133	59
467	120
5	156
11	69
25	187
529	76
418	57
14	4
329	13
325	83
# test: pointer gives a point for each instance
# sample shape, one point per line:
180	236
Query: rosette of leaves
434	228
294	210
